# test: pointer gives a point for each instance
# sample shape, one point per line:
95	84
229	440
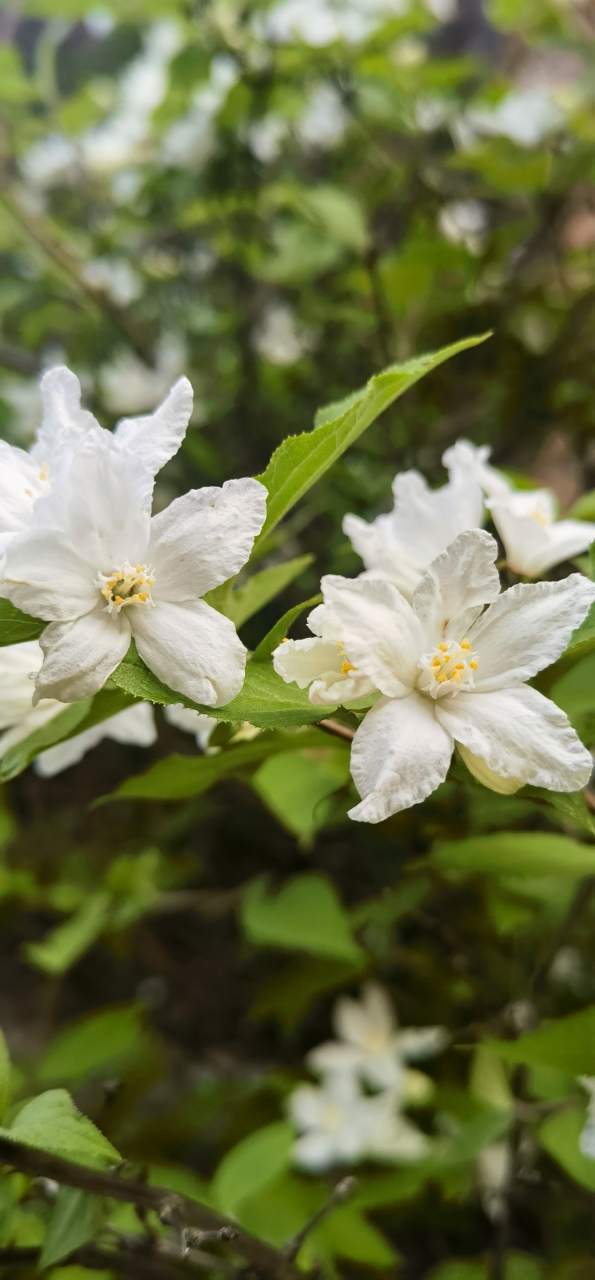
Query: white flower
468	462
533	539
278	338
128	385
587	1136
18	717
66	429
494	1172
464	222
525	115
400	546
190	721
452	674
101	571
370	1043
339	1125
321	663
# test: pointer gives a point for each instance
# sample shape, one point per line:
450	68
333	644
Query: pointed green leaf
301	460
277	633
516	853
304	915
52	1123
70	940
16	627
559	1136
248	1168
567	1043
74	1221
262	587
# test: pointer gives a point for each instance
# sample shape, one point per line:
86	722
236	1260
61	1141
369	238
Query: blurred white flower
587	1136
494	1171
534	541
453	674
191	139
370	1043
324	121
115	277
278	338
19	664
321	22
464	222
128	385
468	463
525	116
400	546
267	135
339	1125
189	721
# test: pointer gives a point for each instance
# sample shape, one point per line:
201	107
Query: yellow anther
118	600
465	644
442	677
443	648
437	662
460	666
474	664
285	640
347	666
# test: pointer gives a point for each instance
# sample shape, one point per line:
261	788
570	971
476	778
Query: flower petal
193	649
64	425
189	721
205	537
44	576
399	755
520	734
456	585
428	520
20	484
527	628
533	546
79	656
381	554
378	629
469	463
319	664
156	437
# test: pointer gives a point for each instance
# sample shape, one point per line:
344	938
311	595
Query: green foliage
75	719
105	1037
305	915
16	627
74	1221
4	1075
297	786
516	853
247	1170
301	460
263	587
52	1123
278	631
566	1043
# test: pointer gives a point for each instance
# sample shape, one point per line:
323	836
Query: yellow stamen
474	664
443	648
347	666
465	644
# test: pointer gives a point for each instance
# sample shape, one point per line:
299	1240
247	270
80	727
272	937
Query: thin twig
580	901
337	730
339	1195
187	1213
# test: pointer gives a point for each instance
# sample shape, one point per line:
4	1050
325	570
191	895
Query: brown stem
339	1195
337	730
188	1213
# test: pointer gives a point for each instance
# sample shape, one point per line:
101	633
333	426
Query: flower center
450	668
130	584
540	517
375	1040
332	1117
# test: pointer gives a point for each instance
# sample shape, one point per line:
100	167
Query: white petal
488	778
319	663
465	461
190	721
333	1056
378	1007
20	484
97	506
135	725
520	734
17	663
527	628
156	437
64	425
397	1138
382	556
79	656
421	1042
314	1151
205	537
193	649
36	718
399	755
44	576
457	584
306	1106
427	520
532	543
379	630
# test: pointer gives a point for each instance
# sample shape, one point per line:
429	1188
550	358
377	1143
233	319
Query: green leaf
516	853
263	651
74	1221
301	460
180	777
567	1043
289	995
296	785
247	1169
91	1042
52	1123
583	639
262	587
574	692
304	915
5	1072
16	627
70	940
570	806
346	1233
74	719
559	1136
583	508
265	700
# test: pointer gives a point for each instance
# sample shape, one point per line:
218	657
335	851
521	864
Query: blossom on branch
534	541
101	572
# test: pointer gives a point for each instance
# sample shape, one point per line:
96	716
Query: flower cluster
356	1111
427	636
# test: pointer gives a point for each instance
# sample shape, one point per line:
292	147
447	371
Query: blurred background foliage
279	200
